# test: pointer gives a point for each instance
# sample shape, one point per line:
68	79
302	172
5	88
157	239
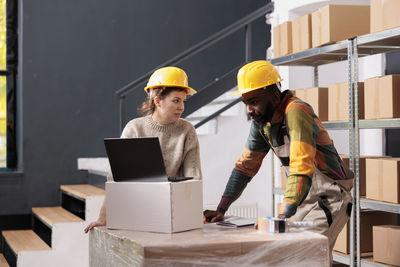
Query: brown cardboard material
300	93
301	33
334	23
334	98
382	179
368	220
338	103
362	169
389	95
381	96
276	32
283	177
371	98
387	244
384	15
390	180
317	97
373	178
283	39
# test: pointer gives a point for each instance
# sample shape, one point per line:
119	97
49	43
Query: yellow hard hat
169	77
255	75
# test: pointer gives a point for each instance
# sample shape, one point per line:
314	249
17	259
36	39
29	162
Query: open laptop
137	159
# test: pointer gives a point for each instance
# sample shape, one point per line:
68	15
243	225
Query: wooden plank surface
3	262
51	215
83	190
21	240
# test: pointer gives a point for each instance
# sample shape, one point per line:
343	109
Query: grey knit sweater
179	144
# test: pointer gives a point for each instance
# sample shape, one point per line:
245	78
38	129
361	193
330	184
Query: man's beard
266	117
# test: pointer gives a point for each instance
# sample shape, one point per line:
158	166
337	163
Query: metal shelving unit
351	50
367	204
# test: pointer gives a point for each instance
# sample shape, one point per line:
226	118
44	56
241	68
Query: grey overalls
328	203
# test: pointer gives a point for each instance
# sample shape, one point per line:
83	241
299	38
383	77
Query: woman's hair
148	105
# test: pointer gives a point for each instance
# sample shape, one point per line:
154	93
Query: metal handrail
244	22
201	46
215	114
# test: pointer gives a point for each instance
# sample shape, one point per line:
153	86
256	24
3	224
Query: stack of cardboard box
334	23
330	24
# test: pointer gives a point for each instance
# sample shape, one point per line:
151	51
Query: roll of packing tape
272	225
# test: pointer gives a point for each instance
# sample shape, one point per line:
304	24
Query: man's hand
211	216
283	216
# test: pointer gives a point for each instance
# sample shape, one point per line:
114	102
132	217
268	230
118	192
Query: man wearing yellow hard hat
319	184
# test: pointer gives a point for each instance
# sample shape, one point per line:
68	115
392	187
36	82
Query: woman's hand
94	224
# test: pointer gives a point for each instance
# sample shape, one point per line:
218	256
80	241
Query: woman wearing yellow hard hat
166	94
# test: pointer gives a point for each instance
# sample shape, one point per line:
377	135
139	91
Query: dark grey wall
75	54
392	61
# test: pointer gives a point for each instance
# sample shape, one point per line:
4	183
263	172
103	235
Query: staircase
211	127
56	237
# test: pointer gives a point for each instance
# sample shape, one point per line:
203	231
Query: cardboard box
368	220
299	93
154	206
334	23
301	33
317	98
384	15
381	97
362	169
283	177
387	244
338	102
371	98
382	179
283	39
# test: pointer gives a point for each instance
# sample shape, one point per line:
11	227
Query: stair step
82	191
22	240
3	262
51	215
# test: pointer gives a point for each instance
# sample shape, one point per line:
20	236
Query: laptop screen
136	159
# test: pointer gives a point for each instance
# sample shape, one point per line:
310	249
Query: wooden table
211	246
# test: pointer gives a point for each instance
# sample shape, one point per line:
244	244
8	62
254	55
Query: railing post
121	113
248	42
